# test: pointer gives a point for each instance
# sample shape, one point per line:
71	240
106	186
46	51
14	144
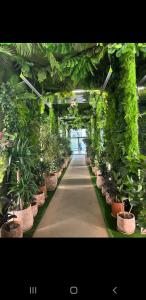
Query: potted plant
52	177
116	185
95	167
9	228
39	176
34	207
39	198
133	190
59	167
21	192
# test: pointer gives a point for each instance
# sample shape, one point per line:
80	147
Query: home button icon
73	290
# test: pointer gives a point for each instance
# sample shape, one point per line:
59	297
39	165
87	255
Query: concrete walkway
74	210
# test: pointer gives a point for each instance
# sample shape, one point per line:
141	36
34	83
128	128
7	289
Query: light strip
34	89
107	78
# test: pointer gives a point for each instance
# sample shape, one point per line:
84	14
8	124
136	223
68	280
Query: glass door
77	144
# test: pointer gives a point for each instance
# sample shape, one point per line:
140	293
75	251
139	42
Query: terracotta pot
99	181
94	170
62	169
43	189
117	208
18	214
40	199
51	182
143	230
11	229
58	174
108	198
34	207
67	161
126	222
64	166
104	190
27	217
98	172
24	217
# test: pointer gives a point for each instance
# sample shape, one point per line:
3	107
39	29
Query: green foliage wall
122	110
52	117
20	115
142	129
101	116
98	102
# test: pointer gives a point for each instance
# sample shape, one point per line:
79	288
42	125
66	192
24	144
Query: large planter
34	207
104	190
126	222
11	229
43	189
143	230
58	174
94	170
99	181
52	182
24	217
67	161
117	208
39	198
64	165
98	172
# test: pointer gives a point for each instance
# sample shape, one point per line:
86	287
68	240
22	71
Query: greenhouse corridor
72	140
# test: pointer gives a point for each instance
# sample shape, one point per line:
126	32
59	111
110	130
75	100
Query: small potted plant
10	228
21	192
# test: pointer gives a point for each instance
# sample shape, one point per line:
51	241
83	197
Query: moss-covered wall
142	129
122	112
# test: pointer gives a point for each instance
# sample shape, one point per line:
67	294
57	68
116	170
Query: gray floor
74	210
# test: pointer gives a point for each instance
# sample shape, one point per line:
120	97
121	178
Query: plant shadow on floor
111	223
